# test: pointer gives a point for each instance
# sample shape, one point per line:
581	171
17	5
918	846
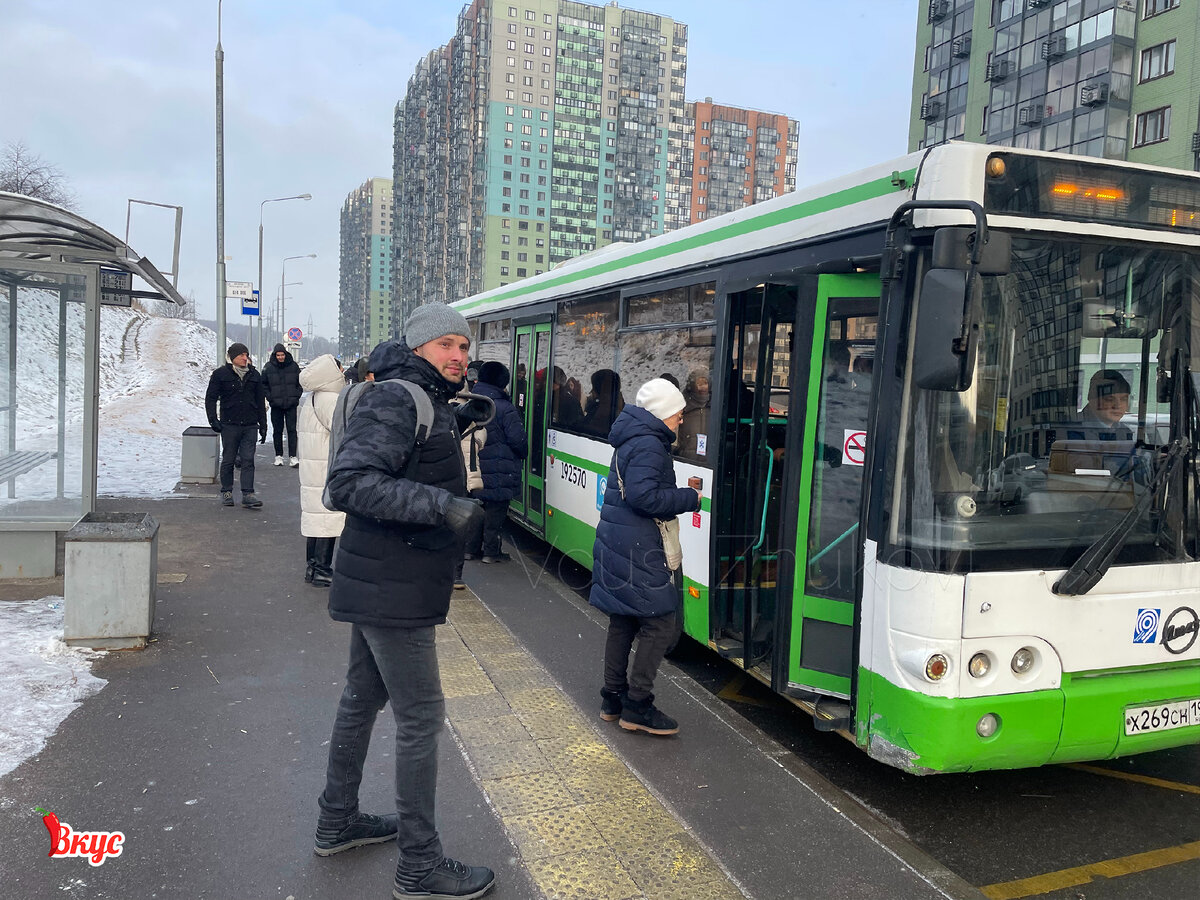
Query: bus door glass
531	360
752	505
835	437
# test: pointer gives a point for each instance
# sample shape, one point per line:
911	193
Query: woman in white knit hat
632	579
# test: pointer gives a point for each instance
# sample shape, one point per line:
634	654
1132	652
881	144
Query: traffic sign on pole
242	290
294	334
250	305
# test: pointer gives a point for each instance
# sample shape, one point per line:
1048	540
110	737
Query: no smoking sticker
854	448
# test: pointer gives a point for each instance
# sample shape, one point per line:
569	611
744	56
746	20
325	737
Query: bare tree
24	172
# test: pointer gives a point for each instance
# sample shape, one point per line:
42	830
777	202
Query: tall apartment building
365	276
543	129
738	157
1109	78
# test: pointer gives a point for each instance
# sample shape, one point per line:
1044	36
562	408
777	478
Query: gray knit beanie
431	321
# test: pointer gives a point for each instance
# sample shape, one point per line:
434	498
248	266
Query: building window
1154	7
1157	61
512	11
521	272
504	270
1152	127
512	45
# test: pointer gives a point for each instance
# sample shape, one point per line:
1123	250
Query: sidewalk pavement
207	750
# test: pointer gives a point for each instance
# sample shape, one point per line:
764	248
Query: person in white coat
322	379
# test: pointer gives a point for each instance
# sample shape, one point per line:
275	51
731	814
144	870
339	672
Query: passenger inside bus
604	403
698	395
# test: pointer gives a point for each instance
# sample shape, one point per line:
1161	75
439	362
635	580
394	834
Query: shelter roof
36	230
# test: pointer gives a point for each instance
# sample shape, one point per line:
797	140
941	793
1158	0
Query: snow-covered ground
41	678
153	373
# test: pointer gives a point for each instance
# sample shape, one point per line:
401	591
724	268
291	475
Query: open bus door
783	599
530	395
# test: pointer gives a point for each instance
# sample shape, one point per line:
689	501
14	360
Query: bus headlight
936	667
988	725
1022	661
979	665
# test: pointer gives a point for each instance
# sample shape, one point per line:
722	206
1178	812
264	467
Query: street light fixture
260	260
282	279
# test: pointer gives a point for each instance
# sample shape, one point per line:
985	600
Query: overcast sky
120	96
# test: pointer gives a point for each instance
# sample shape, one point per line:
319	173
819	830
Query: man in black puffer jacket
281	375
235	408
392	580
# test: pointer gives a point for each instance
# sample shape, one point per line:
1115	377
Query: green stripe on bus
857	194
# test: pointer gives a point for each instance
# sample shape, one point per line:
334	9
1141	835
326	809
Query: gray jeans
400	665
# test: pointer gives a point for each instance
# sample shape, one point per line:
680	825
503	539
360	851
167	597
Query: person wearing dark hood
406	520
236	409
500	461
632	578
281	375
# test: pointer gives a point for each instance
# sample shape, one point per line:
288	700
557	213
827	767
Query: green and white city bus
945	420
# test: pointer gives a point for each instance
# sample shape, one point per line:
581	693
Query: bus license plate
1162	717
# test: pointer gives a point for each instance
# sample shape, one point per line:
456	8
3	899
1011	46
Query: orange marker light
694	592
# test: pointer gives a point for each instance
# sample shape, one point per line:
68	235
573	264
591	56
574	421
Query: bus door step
831	714
729	648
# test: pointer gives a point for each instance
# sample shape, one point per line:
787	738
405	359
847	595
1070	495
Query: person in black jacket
631	579
235	406
281	375
500	461
406	520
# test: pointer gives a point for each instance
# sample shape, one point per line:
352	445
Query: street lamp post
220	193
282	279
260	261
275	320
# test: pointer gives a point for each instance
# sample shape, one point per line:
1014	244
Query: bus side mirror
947	330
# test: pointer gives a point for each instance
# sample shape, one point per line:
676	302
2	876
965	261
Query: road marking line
1140	779
1109	868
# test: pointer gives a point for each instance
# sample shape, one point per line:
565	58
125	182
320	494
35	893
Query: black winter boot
611	703
322	561
447	880
643	715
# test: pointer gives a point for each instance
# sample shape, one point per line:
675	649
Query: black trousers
495	512
320	553
280	419
654	636
237	442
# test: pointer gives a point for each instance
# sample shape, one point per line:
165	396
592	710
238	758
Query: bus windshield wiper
1099	557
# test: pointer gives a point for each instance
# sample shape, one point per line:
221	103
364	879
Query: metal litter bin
109	578
201	455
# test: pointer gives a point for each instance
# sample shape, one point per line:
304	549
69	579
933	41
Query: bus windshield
1084	352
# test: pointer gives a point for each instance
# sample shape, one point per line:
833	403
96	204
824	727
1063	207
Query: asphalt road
1115	829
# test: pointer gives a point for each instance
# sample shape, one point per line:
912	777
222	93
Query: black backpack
348	399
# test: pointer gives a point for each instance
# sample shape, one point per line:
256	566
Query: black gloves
464	517
215	426
262	435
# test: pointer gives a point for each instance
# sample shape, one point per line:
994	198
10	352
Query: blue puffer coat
629	569
505	449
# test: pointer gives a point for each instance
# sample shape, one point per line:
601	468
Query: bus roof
954	170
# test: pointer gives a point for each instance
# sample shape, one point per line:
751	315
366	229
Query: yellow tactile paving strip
586	827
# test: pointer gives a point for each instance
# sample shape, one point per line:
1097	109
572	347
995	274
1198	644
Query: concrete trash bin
109	576
201	455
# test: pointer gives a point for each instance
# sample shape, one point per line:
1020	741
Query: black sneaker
250	501
448	880
364	828
496	558
611	704
227	498
643	715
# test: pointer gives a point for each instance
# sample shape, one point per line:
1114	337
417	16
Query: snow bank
41	679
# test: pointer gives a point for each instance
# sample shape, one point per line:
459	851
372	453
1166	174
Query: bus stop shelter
57	270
